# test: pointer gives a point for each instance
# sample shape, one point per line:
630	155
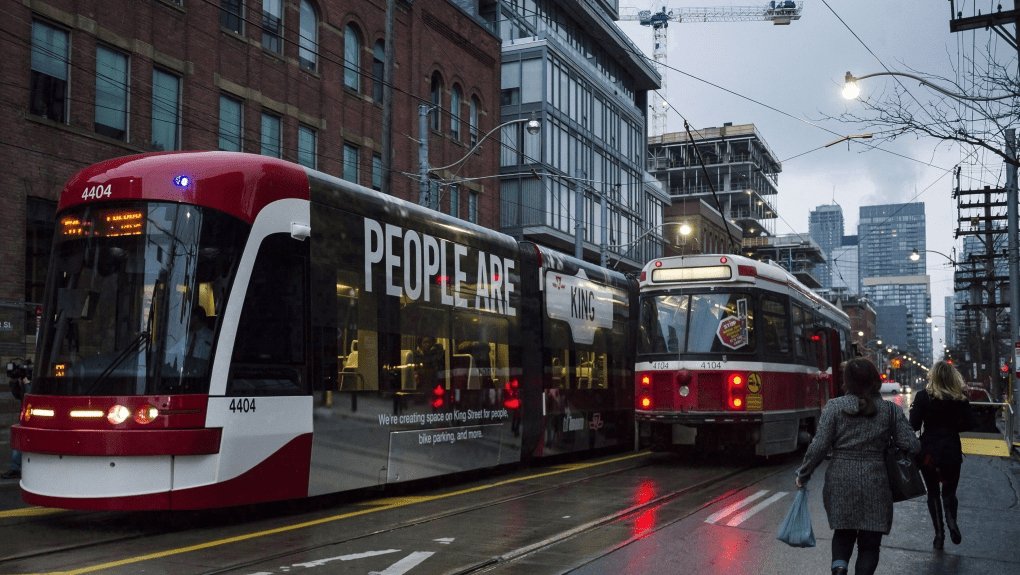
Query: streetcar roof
703	270
235	183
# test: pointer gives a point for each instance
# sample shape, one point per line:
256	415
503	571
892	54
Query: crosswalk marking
738	505
738	519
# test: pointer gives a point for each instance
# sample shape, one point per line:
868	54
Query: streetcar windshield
696	323
134	297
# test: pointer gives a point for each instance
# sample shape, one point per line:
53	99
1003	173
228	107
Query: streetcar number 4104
244	405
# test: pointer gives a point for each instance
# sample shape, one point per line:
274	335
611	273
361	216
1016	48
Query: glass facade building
567	64
825	226
887	235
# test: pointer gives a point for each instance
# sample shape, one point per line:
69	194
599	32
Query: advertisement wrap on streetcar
222	328
733	354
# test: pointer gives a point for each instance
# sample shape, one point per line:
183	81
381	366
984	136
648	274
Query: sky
787	79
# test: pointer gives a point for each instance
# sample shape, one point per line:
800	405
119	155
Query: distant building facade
567	63
825	226
887	235
742	179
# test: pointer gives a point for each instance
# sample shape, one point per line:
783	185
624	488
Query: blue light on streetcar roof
182	181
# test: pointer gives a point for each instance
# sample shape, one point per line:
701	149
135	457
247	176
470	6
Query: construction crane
780	12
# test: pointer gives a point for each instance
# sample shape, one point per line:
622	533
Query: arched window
378	71
437	101
455	112
308	51
352	57
473	120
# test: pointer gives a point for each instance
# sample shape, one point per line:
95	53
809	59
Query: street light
851	90
916	255
533	127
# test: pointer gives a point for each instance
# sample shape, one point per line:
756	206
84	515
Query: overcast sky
785	79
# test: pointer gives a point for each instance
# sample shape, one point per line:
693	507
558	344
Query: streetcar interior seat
464	372
352	359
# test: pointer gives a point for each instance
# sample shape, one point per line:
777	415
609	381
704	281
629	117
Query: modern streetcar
222	328
733	353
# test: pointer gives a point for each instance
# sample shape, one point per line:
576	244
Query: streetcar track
639	460
532	549
527	550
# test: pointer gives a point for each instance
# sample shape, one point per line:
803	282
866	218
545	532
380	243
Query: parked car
890	387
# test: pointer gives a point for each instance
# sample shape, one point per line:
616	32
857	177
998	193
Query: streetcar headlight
118	414
146	413
684	391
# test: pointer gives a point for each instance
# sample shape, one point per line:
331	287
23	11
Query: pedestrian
14	469
855	429
940	412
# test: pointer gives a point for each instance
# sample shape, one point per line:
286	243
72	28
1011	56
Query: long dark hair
861	379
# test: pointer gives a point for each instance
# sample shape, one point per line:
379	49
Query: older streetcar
225	329
733	353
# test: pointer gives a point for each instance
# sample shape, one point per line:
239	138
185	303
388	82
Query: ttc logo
596	422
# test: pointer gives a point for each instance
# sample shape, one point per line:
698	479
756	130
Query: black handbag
904	476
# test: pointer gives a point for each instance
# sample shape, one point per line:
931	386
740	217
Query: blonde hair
944	382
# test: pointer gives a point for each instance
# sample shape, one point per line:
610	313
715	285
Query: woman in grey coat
858	502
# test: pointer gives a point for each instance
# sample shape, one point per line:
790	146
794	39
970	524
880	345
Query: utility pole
578	216
423	155
996	21
386	163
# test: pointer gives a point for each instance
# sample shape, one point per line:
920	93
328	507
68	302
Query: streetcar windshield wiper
137	345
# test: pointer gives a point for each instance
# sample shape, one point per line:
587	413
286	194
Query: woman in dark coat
941	411
858	502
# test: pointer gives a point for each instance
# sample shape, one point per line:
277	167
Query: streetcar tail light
146	413
644	398
118	414
512	399
438	397
737	388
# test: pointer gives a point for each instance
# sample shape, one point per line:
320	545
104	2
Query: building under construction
731	168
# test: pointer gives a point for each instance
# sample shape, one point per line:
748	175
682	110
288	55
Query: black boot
936	520
839	571
950	503
954	529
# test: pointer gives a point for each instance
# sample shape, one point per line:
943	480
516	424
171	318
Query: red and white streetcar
224	329
733	353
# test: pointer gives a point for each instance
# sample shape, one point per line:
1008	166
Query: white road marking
321	562
405	564
738	519
738	505
445	540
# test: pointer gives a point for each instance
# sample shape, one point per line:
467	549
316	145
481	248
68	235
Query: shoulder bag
904	476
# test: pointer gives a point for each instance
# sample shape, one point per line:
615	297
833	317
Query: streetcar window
776	332
269	350
801	319
126	288
697	323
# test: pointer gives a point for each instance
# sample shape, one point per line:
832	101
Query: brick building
87	80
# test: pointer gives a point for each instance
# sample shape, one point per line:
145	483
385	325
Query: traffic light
1005	368
896	363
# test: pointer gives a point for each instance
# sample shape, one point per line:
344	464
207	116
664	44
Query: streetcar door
835	355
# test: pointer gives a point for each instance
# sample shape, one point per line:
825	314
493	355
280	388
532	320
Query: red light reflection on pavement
644	523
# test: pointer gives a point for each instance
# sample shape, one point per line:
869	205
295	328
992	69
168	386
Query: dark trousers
941	483
868	543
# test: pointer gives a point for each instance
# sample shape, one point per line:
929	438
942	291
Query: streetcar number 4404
244	405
